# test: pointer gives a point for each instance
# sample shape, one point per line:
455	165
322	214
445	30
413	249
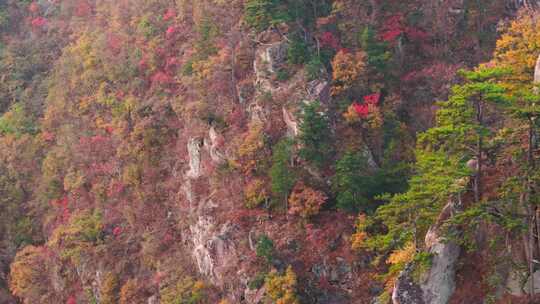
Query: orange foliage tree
305	201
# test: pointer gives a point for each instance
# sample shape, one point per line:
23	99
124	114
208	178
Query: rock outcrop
194	151
437	285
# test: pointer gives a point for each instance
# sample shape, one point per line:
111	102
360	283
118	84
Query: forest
269	152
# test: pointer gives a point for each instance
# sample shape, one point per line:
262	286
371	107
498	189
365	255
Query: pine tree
461	121
352	182
407	216
260	14
281	173
377	53
315	135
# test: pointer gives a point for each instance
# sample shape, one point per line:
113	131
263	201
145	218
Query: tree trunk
479	150
528	240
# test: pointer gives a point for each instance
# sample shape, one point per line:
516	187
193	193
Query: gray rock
254	296
269	58
514	284
291	122
536	278
194	151
406	291
438	284
212	147
319	89
153	300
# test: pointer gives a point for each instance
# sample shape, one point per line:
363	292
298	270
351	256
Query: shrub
283	75
305	201
359	237
17	121
257	281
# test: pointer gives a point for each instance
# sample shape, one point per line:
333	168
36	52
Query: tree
377	53
132	292
17	121
462	128
348	70
185	290
265	248
29	274
305	201
522	189
407	216
352	182
281	174
517	49
109	289
315	134
282	288
260	14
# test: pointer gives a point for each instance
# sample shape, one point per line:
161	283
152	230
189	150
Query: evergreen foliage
265	248
315	135
260	14
281	173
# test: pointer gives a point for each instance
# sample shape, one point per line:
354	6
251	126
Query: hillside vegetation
269	151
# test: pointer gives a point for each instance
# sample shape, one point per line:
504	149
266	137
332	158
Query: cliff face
140	147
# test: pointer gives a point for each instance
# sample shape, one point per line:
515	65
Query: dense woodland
269	151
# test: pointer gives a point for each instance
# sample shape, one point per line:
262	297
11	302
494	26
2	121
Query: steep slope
229	151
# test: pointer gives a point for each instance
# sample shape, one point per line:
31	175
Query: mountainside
269	151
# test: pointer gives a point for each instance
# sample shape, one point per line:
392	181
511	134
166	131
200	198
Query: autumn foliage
305	201
348	69
148	153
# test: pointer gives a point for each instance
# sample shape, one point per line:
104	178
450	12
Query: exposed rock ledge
438	284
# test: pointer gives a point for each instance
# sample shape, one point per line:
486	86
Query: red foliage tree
34	8
161	78
169	14
361	109
171	31
83	9
38	22
395	26
71	300
328	40
117	231
372	98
